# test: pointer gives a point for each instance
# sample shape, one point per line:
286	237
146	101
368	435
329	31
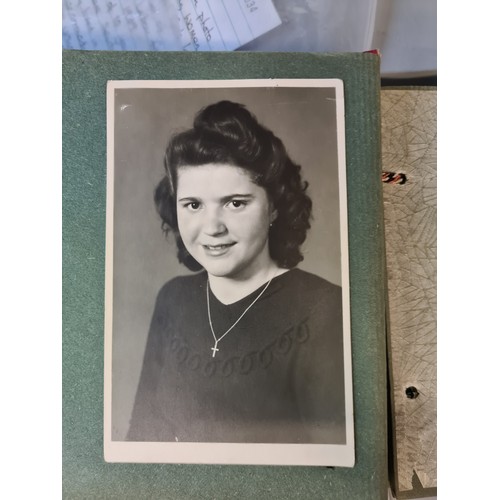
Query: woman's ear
274	216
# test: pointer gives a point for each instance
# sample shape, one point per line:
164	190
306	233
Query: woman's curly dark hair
227	133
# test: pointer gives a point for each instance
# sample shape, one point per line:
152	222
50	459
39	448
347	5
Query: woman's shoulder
301	288
299	295
310	282
181	286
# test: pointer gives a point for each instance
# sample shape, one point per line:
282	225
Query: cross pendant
214	349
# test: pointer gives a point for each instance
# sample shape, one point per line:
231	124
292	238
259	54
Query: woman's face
224	219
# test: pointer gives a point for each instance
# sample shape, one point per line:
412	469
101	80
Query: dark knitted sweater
277	378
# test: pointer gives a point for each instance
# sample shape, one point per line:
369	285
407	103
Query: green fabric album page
85	472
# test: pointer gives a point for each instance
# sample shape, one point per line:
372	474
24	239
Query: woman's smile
218	250
224	219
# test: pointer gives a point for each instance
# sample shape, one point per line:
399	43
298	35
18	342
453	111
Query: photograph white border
228	453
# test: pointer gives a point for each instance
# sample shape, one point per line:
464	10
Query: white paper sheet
224	24
120	25
165	24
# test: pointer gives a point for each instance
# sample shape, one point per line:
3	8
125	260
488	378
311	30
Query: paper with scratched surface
85	474
409	147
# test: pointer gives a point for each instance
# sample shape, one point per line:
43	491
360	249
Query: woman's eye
193	205
237	203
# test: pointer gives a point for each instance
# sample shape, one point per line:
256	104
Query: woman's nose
214	223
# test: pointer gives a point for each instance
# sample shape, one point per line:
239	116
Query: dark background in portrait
304	118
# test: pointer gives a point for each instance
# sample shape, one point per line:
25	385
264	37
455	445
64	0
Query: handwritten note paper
120	25
165	24
224	24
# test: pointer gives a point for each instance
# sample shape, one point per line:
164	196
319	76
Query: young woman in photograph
249	347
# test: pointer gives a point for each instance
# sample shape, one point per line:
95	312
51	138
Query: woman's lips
217	250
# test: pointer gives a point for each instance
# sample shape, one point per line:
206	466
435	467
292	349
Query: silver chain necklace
217	340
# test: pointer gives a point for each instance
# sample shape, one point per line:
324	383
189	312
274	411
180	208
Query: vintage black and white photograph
227	328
